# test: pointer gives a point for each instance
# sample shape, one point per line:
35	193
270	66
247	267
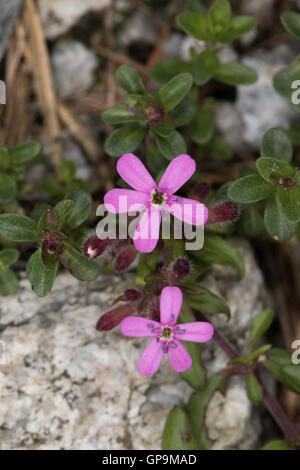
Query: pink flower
166	335
154	198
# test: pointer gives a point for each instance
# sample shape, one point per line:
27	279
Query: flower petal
179	358
151	358
147	232
119	201
190	211
133	171
138	327
177	173
170	304
198	331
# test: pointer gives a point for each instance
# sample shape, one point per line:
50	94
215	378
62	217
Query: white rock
229	124
58	16
138	28
73	68
66	386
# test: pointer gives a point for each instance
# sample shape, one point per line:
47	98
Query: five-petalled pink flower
167	335
152	199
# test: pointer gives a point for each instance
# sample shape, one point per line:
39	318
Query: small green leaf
253	222
8	256
40	275
276	445
184	112
38	210
164	71
177	433
81	209
291	22
270	167
130	80
283	83
9	283
254	390
173	92
234	73
24	152
165	128
220	149
289	200
4	158
260	324
276	222
249	189
280	364
201	128
8	188
219	14
63	209
196	6
205	67
171	146
17	228
200	298
120	115
124	140
276	144
194	24
291	377
78	265
240	25
67	171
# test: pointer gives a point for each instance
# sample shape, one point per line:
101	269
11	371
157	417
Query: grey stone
58	16
66	386
138	28
73	68
9	11
229	124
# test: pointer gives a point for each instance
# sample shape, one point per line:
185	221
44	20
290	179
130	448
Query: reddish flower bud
114	317
94	246
52	219
125	258
223	213
154	114
51	246
132	295
180	269
200	192
153	309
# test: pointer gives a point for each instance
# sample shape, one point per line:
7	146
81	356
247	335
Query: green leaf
291	22
276	144
240	25
200	298
4	158
40	275
177	433
184	112
276	445
254	390
269	168
201	128
67	171
124	140
63	209
155	162
291	377
219	14
234	73
81	209
8	188
249	189
194	24
130	80
120	115
283	83
197	407
24	152
8	256
164	71
165	128
171	146
289	200
260	324
78	265
218	250
38	210
253	222
276	222
280	364
220	149
17	228
173	92
9	283
205	67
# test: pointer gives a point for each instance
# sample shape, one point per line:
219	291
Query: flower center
166	333
158	197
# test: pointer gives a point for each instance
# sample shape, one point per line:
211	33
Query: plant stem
289	430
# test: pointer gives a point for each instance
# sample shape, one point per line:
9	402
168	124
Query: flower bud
153	308
125	258
50	246
52	219
114	317
94	246
180	270
154	114
132	295
222	213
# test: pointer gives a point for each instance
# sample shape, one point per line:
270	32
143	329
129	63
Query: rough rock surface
9	10
73	68
58	16
63	385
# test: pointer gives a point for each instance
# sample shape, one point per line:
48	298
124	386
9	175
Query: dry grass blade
41	70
